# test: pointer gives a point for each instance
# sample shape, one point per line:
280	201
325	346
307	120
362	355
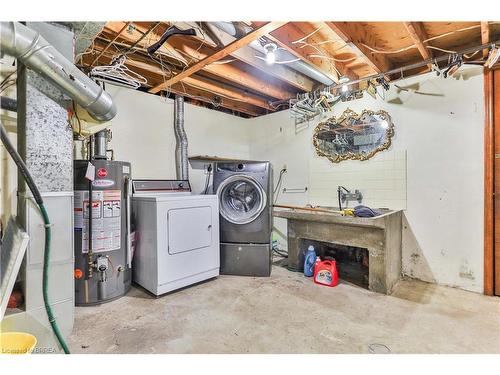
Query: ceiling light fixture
344	88
344	79
270	53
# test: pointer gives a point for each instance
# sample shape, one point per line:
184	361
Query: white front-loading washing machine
176	235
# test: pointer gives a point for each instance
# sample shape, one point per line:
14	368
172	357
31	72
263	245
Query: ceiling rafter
226	71
418	35
248	56
111	42
314	38
235	74
135	34
485	35
227	50
210	98
216	87
283	38
354	35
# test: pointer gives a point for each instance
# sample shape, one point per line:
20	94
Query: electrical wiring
381	51
307	36
333	58
220	62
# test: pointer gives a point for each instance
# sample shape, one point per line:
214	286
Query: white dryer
177	235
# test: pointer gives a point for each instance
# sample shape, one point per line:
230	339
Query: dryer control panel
161	186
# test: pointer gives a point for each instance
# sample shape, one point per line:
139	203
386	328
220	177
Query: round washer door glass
241	198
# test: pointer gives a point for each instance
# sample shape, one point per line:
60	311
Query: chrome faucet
345	196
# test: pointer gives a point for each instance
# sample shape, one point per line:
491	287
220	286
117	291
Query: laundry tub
17	343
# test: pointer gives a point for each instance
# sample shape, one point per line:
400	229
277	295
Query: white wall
442	137
143	134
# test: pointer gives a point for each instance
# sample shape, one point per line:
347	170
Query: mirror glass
353	136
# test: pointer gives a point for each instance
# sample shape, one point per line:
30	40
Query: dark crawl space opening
352	262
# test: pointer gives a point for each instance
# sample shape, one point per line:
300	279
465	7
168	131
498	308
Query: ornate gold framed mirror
353	136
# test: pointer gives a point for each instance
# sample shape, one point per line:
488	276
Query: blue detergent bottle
309	261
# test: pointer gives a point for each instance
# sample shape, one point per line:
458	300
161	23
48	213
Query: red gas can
325	273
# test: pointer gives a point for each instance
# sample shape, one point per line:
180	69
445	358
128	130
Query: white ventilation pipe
32	50
300	66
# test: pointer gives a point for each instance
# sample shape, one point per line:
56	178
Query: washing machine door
242	199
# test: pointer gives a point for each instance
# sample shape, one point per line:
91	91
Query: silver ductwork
100	145
238	30
181	142
31	49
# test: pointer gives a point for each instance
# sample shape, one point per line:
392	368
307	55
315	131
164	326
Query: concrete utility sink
380	235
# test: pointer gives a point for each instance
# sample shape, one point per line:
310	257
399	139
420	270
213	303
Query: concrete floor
288	313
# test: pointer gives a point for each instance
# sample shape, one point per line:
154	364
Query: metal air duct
238	30
181	142
31	49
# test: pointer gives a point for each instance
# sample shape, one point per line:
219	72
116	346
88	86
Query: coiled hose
46	254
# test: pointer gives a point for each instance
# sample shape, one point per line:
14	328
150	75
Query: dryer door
241	199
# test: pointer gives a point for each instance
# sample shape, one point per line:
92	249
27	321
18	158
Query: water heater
103	254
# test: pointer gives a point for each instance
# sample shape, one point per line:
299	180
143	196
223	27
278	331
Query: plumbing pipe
181	144
8	104
238	30
31	49
100	145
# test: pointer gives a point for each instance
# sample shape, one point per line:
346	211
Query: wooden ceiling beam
227	72
355	36
236	75
418	35
485	36
227	50
224	90
136	33
155	74
248	56
111	42
315	38
284	37
210	98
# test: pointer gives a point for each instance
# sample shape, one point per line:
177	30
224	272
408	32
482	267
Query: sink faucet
345	195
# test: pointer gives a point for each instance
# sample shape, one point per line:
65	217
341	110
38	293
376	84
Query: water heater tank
104	274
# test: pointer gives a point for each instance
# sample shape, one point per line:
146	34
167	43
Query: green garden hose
46	254
45	277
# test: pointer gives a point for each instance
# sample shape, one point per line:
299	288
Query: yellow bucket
17	343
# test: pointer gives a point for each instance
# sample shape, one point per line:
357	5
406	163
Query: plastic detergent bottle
325	273
309	261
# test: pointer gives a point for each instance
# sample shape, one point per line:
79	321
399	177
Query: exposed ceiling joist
355	35
485	35
210	98
155	73
237	44
226	91
236	75
418	35
136	33
314	38
284	37
248	56
111	42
